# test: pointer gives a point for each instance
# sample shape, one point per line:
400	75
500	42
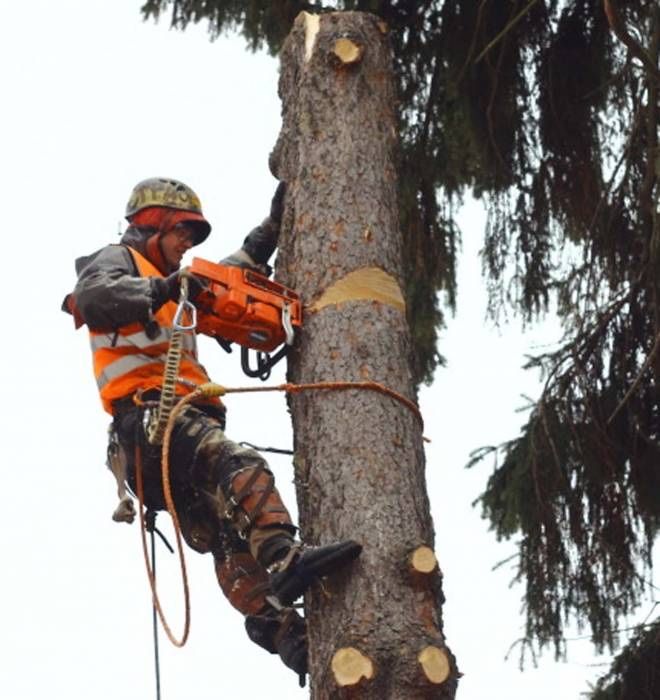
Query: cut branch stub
350	666
423	560
435	664
347	51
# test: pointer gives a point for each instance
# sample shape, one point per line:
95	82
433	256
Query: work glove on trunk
277	204
261	242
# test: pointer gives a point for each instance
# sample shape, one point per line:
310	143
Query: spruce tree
548	111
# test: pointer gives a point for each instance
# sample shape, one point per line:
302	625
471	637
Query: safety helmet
171	194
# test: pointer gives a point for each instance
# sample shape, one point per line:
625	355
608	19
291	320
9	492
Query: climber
224	494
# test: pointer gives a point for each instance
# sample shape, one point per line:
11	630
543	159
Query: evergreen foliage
548	110
635	673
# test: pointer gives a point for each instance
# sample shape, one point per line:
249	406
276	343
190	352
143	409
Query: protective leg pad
243	581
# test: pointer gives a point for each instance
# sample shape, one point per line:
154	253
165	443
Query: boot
281	632
256	511
292	575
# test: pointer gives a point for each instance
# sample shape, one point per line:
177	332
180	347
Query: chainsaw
243	306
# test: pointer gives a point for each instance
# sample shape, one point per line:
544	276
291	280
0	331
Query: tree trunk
375	629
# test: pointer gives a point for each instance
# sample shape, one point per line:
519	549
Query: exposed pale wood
423	560
312	25
347	51
350	666
435	664
366	284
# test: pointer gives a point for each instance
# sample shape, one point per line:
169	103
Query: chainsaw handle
264	366
223	343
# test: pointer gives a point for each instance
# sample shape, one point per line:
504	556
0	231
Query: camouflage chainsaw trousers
224	494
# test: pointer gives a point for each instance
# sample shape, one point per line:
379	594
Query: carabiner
181	309
184	305
286	324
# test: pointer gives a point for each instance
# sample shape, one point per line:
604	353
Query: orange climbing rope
297	388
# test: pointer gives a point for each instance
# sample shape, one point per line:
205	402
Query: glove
172	286
261	242
277	204
164	289
196	285
243	259
168	288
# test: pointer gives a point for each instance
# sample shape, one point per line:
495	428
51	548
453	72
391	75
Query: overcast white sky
93	100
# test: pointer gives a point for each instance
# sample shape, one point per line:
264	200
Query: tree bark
375	629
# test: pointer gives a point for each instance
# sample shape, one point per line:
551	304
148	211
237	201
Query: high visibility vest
126	359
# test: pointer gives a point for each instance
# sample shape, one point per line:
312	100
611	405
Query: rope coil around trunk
210	390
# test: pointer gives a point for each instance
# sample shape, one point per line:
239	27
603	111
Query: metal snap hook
287	325
184	305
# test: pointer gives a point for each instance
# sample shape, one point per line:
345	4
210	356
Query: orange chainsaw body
244	306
